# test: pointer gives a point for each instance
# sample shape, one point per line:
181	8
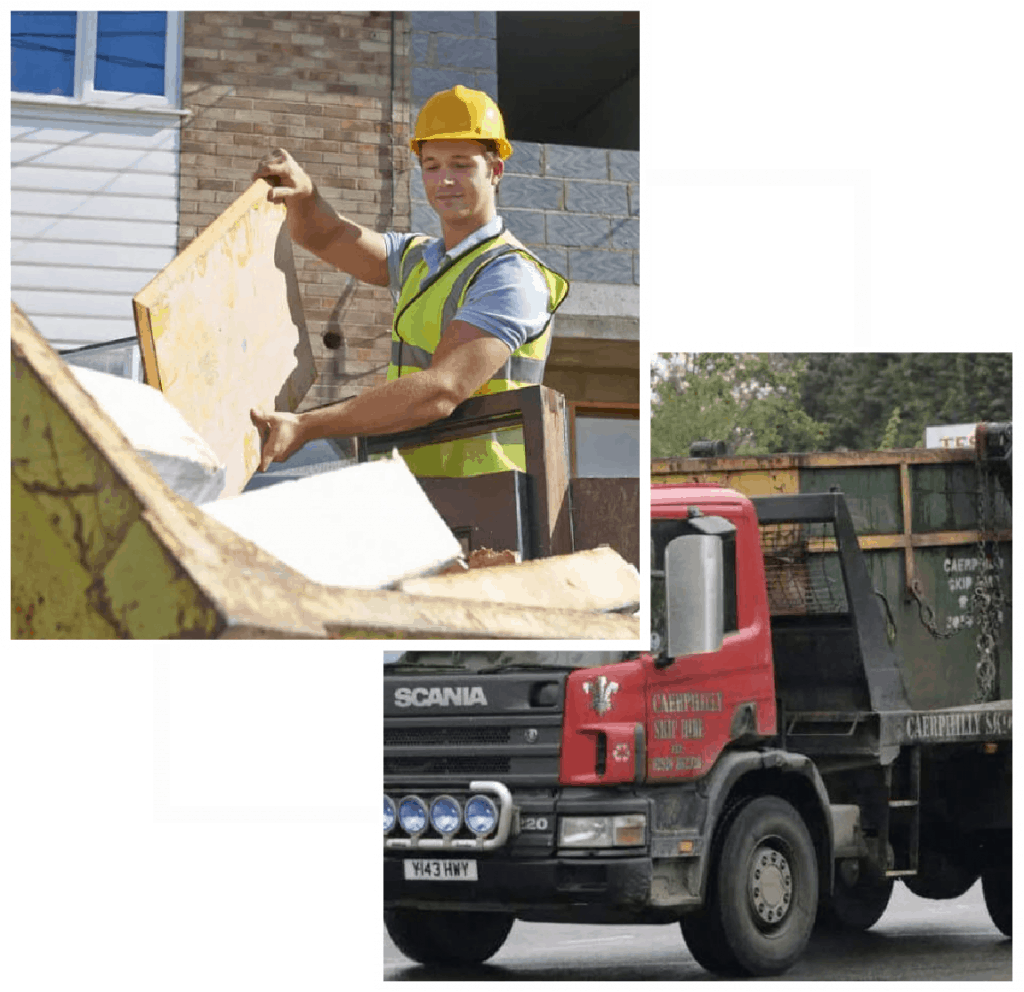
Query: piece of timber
594	580
102	548
541	413
221	330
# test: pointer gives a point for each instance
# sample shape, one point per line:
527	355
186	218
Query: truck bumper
544	889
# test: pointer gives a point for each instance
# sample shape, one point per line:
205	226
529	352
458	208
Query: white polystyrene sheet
158	432
364	526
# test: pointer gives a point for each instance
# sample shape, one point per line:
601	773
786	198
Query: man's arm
315	225
465	359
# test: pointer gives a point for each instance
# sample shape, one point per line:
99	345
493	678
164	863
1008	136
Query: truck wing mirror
694	595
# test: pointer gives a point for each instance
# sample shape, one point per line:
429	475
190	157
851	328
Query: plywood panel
222	331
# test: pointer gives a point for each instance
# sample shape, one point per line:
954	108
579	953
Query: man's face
458	178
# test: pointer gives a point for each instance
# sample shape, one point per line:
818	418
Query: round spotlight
481	815
445	815
412	814
389	815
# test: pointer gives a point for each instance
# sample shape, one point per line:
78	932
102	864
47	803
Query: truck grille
506	726
433	736
453	764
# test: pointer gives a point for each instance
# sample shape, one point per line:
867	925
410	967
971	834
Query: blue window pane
130	52
43	52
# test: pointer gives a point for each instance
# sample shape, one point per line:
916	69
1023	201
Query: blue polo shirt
508	300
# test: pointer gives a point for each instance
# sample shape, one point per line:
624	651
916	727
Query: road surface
916	940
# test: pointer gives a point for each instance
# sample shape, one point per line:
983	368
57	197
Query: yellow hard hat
461	114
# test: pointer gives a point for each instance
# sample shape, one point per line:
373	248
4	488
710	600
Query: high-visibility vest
422	313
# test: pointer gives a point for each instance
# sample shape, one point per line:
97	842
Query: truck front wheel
763	892
452	937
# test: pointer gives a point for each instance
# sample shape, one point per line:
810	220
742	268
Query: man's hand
281	435
288	180
315	225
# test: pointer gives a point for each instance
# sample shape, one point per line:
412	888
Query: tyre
453	937
858	906
939	876
702	929
997	887
703	934
762	896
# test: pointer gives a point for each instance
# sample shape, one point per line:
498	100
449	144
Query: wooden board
587	580
221	331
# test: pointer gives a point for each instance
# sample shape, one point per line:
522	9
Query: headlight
481	815
445	815
389	815
412	814
628	830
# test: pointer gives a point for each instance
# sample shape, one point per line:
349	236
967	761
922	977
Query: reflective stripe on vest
528	371
424	309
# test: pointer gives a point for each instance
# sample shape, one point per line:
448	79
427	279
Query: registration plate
439	870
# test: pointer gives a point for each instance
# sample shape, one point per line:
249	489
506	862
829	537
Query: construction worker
472	308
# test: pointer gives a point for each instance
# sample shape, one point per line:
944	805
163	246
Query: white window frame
86	95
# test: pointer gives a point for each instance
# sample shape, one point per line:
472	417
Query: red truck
759	771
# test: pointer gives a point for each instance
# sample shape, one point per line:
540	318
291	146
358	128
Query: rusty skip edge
699	468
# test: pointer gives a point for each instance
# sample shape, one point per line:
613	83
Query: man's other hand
280	436
288	180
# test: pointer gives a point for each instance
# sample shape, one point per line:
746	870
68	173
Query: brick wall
319	84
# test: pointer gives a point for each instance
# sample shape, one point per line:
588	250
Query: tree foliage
750	401
766	403
857	394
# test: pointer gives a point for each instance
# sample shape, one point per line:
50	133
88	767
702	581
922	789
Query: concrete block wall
319	84
577	208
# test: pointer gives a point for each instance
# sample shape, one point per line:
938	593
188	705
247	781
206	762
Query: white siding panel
69	278
77	332
150	260
82	181
77	156
96	205
64	303
112	137
31	227
27	151
94	217
145	184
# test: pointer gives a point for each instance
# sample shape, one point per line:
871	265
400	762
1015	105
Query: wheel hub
771	885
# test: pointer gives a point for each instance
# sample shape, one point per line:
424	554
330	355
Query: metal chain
987	600
926	613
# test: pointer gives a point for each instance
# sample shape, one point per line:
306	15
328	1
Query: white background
832	176
818	176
